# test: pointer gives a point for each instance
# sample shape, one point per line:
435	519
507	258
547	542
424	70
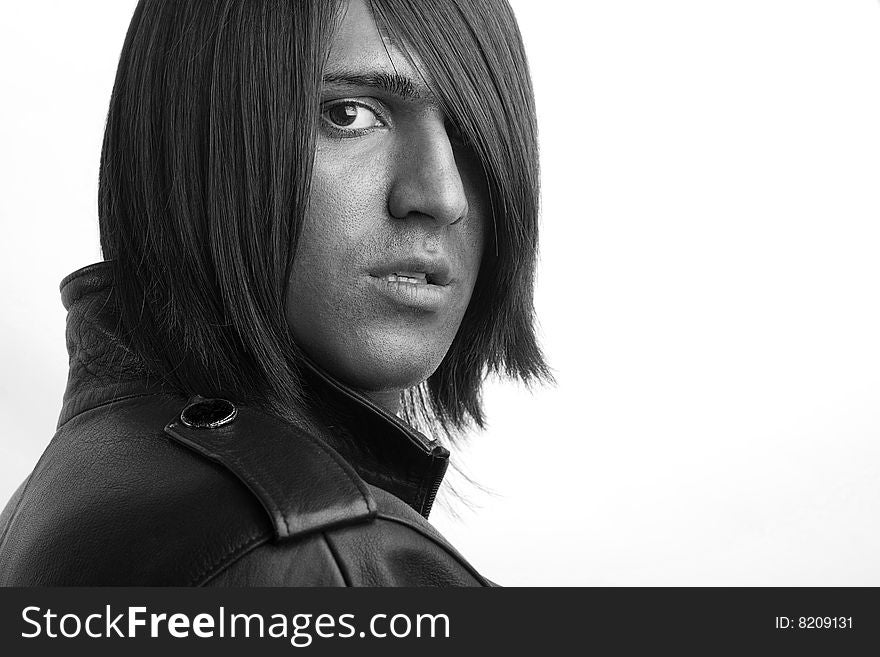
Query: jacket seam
57	436
114	401
343	572
232	556
276	509
267	498
14	515
451	551
358	483
263	494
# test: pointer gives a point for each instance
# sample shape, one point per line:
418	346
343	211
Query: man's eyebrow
391	83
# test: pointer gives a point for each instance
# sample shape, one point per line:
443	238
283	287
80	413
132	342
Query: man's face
391	245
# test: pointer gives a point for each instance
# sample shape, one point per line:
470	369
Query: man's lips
414	270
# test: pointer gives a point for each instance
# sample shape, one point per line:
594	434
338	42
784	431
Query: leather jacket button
208	413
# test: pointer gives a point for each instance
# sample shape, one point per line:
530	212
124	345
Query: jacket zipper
436	472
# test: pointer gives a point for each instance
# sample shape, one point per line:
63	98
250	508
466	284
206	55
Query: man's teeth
416	278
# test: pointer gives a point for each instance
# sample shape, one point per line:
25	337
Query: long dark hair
204	179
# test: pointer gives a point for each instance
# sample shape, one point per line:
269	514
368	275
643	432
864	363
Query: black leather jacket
143	486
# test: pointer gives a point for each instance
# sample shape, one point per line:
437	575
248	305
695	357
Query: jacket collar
383	450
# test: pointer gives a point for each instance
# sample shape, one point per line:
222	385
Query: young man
320	227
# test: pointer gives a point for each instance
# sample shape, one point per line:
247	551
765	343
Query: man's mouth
410	277
423	283
414	270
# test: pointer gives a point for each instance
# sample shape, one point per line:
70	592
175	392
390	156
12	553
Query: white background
709	288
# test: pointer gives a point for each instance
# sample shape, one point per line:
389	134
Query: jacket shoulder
399	548
303	484
128	493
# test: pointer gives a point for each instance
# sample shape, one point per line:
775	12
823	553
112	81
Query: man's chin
372	378
385	371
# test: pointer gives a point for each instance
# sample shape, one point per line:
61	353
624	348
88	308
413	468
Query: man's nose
427	179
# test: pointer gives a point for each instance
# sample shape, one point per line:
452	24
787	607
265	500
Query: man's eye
351	116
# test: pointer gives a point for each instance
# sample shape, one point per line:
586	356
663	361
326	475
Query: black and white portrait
454	293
